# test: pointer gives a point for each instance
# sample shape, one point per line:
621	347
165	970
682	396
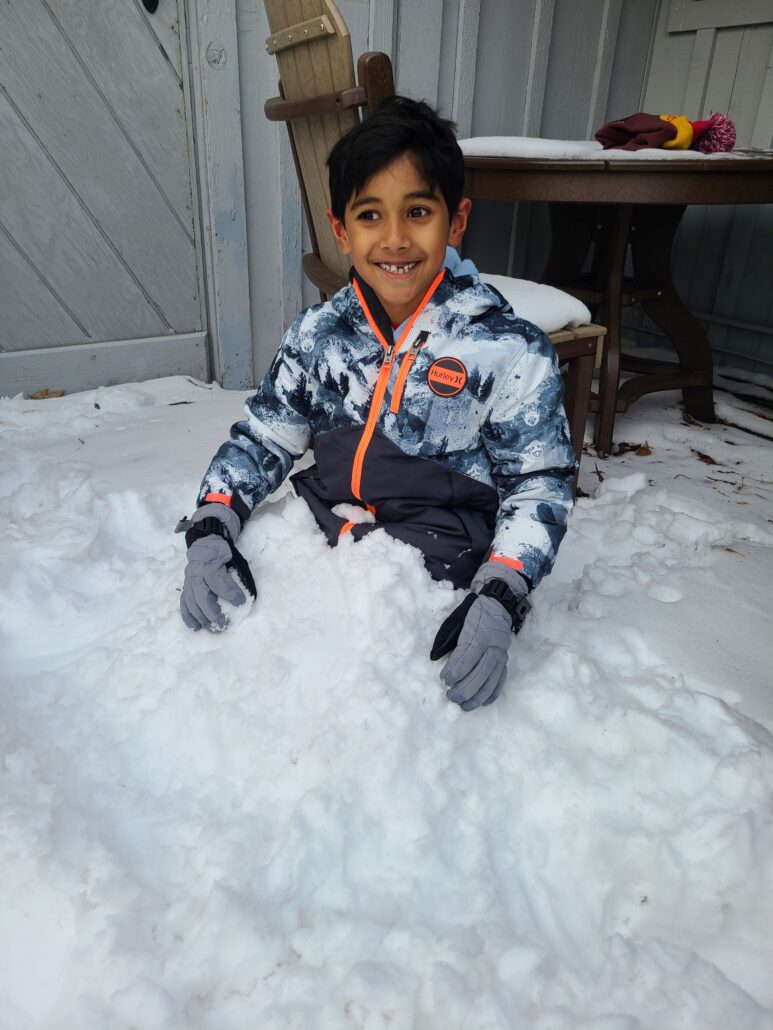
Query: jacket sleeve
263	446
526	435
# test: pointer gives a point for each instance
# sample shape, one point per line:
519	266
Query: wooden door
99	273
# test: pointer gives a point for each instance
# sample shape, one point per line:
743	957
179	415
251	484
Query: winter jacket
453	437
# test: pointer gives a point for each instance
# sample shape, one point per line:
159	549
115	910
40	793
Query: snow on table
287	824
582	150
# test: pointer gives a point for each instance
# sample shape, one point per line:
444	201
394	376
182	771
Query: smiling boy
434	412
397	233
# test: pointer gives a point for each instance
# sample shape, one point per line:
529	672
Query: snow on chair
320	101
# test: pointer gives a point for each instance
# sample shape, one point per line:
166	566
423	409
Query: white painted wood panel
272	196
672	57
65	113
33	315
113	48
465	65
698	74
381	30
164	27
65	248
762	133
686	15
212	31
602	71
748	92
537	68
418	57
105	364
356	14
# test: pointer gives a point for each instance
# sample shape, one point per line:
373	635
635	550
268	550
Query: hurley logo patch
446	377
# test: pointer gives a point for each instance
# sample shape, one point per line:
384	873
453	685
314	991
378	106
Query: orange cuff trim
346	528
511	563
220	498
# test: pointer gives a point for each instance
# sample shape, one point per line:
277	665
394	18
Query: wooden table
617	203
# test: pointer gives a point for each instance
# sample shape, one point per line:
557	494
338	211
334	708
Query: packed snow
287	825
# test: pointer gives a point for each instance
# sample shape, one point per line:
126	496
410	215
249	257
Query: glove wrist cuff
516	606
207	527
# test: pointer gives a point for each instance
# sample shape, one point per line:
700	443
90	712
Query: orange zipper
405	368
383	376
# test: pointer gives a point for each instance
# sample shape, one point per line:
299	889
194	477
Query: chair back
320	101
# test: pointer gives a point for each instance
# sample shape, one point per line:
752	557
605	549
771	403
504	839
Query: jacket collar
465	298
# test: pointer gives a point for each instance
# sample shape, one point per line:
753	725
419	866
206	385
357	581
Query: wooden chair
320	100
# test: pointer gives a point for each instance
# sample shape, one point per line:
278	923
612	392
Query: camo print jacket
452	438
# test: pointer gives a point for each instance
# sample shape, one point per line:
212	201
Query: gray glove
479	631
211	553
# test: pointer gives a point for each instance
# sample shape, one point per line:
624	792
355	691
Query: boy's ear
458	225
339	231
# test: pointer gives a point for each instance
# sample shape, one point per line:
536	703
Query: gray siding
723	257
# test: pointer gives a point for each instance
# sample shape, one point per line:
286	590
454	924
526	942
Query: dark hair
398	126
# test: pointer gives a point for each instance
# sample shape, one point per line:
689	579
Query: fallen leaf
44	395
641	449
599	473
732	550
705	458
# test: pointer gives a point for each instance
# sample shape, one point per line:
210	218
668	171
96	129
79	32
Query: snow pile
287	825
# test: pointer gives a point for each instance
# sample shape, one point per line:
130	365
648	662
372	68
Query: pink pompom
718	137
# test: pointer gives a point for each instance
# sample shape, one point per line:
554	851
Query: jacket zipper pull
405	368
389	355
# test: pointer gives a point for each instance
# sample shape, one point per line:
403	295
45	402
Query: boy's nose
394	236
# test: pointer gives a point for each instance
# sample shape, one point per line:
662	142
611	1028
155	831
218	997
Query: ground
287	825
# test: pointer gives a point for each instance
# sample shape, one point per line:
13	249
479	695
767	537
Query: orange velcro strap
219	498
512	563
346	528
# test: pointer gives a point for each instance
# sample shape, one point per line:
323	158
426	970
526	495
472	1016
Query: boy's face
396	231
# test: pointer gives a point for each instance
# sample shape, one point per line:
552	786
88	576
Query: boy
434	412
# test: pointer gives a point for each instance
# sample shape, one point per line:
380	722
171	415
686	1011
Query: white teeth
397	269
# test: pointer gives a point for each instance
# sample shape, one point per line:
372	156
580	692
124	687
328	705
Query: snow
583	150
287	825
544	305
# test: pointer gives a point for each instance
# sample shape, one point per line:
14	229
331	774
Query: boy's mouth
395	268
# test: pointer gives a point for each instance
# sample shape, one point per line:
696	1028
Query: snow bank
287	825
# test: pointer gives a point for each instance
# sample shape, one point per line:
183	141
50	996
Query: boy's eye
418	212
368	216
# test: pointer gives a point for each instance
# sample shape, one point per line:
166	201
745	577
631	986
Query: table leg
609	266
573	228
652	238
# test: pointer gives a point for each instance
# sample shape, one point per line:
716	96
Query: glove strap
207	527
213	526
517	607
